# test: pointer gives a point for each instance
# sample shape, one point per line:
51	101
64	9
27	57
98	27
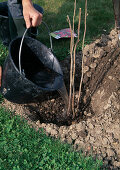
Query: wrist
26	2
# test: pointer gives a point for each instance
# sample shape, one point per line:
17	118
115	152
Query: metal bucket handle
2	16
51	48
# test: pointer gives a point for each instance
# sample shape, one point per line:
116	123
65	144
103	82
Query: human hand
32	17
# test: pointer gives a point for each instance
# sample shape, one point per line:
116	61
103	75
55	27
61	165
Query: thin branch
73	62
74	20
71	66
73	97
83	55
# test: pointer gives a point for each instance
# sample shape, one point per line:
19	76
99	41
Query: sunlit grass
21	147
100	18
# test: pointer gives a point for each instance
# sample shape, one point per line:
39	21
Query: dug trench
96	127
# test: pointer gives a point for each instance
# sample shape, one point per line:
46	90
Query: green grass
21	147
3	53
100	17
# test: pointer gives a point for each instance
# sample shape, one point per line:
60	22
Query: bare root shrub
73	47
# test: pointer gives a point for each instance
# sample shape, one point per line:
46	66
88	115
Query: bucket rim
17	69
48	49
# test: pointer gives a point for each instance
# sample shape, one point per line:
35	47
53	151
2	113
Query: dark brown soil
96	128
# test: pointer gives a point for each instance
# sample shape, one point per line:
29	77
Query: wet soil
96	128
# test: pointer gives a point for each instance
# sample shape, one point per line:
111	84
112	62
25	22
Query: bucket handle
21	50
51	46
22	44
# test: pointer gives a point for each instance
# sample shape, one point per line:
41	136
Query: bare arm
32	17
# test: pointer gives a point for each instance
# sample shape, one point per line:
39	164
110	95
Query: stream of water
64	94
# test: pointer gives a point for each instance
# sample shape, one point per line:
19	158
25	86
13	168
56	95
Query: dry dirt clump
96	129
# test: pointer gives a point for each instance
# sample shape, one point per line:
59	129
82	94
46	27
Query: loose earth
96	128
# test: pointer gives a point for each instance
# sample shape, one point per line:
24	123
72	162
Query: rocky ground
96	128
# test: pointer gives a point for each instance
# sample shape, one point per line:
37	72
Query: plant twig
73	97
71	66
73	109
80	87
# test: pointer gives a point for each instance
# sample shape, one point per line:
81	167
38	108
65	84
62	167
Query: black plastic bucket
4	24
40	71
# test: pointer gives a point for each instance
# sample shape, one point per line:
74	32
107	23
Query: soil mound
96	129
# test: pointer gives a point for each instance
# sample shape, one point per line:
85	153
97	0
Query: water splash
64	94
